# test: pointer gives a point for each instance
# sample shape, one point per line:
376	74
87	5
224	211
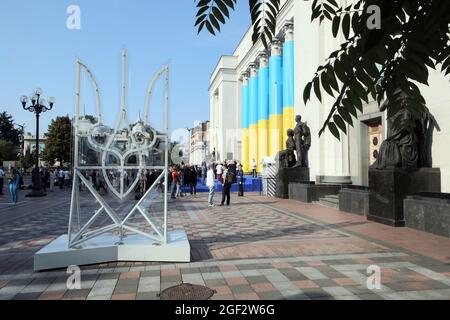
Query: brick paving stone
256	279
247	296
272	295
344	282
306	284
27	296
76	294
130	275
124	296
263	287
240	288
148	296
215	282
52	295
222	291
236	281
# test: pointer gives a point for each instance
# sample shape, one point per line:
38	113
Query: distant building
199	148
29	144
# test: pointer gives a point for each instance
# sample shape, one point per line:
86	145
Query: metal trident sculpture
140	140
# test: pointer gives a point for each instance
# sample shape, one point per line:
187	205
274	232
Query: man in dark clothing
240	181
227	181
193	180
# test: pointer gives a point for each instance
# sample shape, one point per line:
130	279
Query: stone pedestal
310	192
290	175
354	199
428	212
390	187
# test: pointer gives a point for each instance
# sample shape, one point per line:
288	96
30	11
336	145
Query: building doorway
375	139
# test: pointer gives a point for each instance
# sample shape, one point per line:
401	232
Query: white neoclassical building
236	133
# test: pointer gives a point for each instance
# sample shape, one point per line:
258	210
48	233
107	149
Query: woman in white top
211	184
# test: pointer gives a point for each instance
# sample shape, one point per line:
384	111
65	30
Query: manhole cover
187	291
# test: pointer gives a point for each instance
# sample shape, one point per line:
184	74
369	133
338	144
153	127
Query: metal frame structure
136	147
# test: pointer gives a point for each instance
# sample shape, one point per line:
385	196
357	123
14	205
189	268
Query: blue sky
38	50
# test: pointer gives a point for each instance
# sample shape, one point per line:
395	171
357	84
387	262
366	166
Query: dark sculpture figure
286	157
290	149
302	143
406	147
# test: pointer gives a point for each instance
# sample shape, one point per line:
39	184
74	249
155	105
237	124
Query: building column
275	99
288	78
253	114
263	109
245	123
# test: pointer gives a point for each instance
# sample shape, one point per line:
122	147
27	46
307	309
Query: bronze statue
302	143
286	157
406	147
290	149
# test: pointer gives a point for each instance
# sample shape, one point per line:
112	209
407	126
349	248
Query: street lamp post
38	106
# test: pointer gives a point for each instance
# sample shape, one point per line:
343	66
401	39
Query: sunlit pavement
258	248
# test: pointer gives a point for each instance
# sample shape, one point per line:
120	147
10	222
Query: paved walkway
259	248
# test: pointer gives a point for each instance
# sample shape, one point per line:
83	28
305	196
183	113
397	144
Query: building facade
199	148
255	96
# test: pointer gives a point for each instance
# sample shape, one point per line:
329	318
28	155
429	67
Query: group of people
14	178
224	173
184	176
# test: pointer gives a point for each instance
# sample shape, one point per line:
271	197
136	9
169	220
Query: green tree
7	130
372	62
27	160
8	151
58	142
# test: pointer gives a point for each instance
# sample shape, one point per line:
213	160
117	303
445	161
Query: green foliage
7	130
371	64
8	151
58	143
213	13
27	160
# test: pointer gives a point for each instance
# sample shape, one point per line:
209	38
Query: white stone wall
328	156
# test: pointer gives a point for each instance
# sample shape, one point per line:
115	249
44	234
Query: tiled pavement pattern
258	248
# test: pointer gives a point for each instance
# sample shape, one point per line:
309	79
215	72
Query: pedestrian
254	167
174	176
211	184
240	180
219	171
52	179
193	180
180	181
67	178
204	170
227	181
61	178
14	181
2	178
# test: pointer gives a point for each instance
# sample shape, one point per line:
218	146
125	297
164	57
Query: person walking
61	178
14	181
240	180
2	178
52	179
211	184
203	172
254	167
219	171
193	180
227	181
174	176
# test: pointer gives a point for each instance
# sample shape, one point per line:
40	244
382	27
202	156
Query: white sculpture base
135	248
